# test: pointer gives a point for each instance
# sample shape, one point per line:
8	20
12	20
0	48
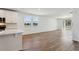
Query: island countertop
7	32
11	40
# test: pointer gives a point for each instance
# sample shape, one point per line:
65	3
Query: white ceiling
46	11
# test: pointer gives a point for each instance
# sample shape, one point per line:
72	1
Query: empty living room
39	29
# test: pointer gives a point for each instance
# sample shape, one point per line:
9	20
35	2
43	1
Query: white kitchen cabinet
2	13
11	17
15	42
11	42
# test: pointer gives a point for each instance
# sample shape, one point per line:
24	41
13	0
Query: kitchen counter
6	32
11	40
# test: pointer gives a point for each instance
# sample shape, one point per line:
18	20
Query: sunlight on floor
67	34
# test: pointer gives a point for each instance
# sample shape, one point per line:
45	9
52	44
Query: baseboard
42	32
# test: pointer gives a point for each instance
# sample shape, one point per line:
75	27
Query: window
31	20
68	23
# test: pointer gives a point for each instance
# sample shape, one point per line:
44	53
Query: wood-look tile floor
49	41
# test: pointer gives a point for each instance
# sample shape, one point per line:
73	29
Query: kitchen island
11	40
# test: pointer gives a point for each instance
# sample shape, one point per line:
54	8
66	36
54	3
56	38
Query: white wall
45	24
75	24
60	23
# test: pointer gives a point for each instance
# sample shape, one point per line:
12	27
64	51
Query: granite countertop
6	32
